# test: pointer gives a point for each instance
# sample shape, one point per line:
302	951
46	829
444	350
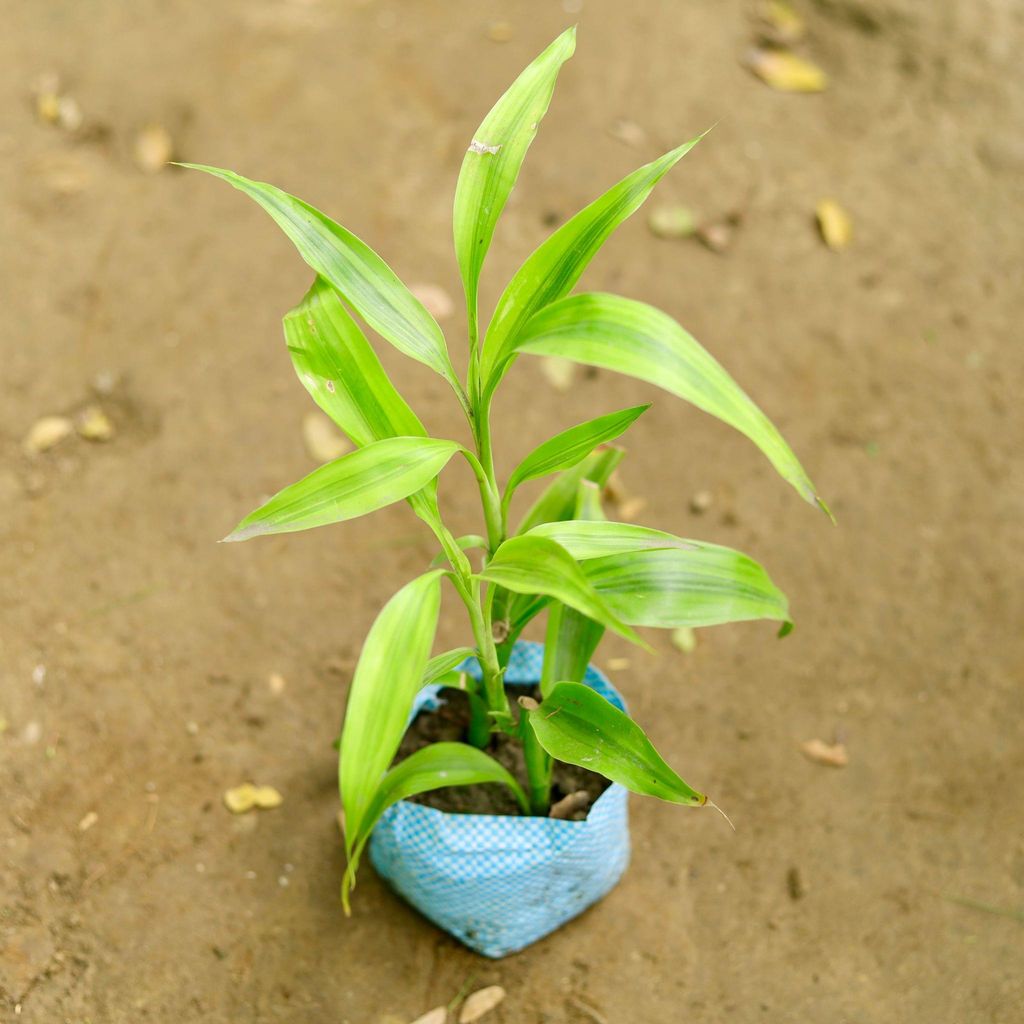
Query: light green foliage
564	555
362	481
577	725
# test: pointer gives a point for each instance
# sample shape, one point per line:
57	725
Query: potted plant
532	727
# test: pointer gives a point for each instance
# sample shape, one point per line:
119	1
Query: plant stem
538	768
479	732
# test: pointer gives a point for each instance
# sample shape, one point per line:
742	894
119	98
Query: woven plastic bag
498	882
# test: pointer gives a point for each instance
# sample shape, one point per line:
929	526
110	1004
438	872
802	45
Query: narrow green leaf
556	265
363	279
340	369
672	587
465	543
434	767
577	725
585	539
638	340
570	447
558	500
534	565
360	482
443	663
491	164
388	676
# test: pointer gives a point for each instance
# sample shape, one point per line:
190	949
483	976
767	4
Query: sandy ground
893	367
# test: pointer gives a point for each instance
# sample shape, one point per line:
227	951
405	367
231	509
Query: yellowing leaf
834	224
786	72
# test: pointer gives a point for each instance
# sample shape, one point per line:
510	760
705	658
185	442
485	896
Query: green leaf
589	539
434	767
360	482
533	565
340	369
388	676
465	543
577	725
556	265
640	341
666	588
440	664
491	164
558	500
363	279
569	448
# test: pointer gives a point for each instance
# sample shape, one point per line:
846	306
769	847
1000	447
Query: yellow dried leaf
834	224
684	639
833	755
480	1002
94	424
786	72
267	798
46	433
438	1015
240	799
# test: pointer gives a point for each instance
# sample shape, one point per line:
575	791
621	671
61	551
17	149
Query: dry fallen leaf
480	1002
240	799
45	433
88	821
786	72
559	372
324	441
267	798
672	222
834	224
831	754
438	302
566	807
153	148
438	1015
94	424
684	639
782	23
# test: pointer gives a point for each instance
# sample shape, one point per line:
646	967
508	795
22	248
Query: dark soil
450	722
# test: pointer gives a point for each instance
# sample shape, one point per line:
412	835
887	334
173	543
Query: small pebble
832	755
628	132
684	639
39	675
192	728
282	880
672	222
558	372
480	1002
701	502
618	664
46	433
32	733
277	683
324	441
438	1015
94	424
154	148
438	302
88	821
500	31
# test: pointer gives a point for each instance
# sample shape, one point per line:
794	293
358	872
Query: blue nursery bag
498	882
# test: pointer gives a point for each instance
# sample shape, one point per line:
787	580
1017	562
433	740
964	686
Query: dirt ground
135	653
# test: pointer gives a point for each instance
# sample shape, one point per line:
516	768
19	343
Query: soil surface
144	669
450	723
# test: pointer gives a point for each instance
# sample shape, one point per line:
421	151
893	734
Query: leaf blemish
329	384
476	146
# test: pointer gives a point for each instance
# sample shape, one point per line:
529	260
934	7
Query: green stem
479	733
538	768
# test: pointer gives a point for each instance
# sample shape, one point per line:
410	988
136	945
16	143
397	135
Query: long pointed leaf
364	280
640	341
360	482
667	588
387	678
434	767
556	265
341	371
585	539
491	164
533	565
443	663
572	446
577	725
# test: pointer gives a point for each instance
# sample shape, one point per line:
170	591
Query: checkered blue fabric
499	883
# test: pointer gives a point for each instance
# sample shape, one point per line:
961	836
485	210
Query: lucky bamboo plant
564	557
